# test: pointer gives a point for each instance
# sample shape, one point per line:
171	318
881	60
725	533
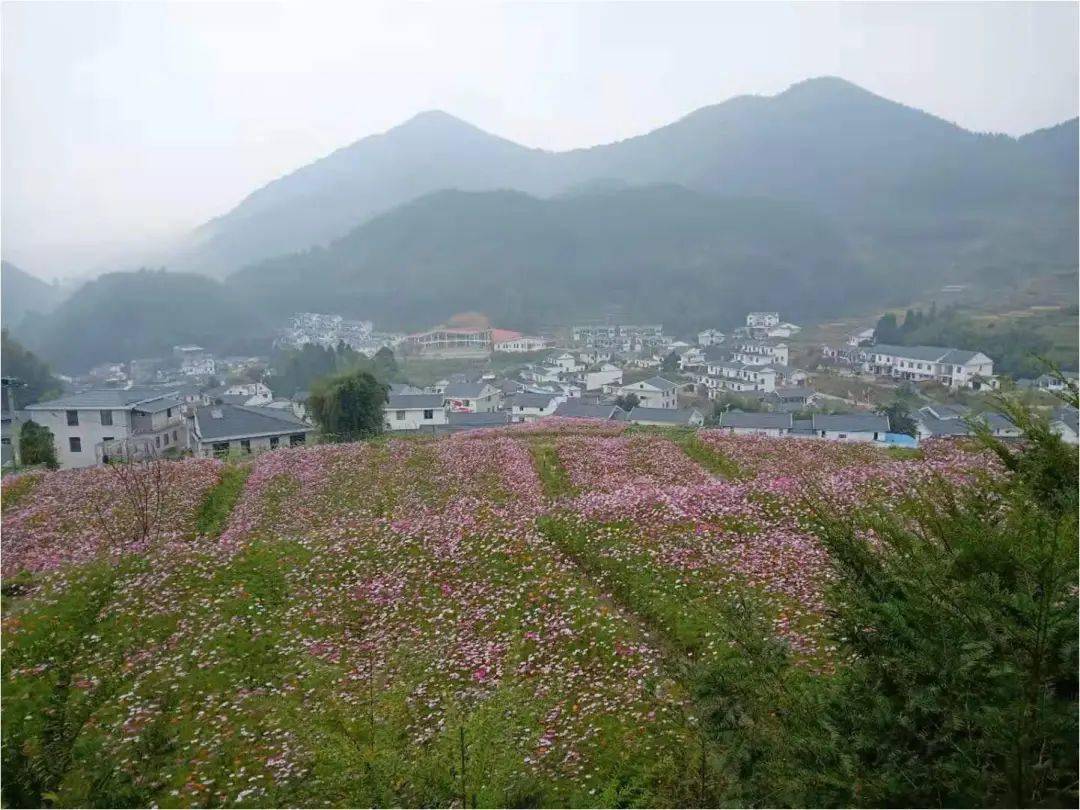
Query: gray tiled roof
851	422
531	400
945	412
159	405
469	390
1067	415
106	398
216	422
404	402
932	354
671	416
759	421
488	419
943	427
656	382
580	410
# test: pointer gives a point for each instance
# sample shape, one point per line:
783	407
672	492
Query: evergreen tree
886	330
36	445
349	406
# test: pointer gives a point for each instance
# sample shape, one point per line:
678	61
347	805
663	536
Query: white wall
412	418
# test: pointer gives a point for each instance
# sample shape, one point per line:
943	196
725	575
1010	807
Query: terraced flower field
505	617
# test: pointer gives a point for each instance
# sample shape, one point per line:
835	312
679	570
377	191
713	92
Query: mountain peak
822	85
435	119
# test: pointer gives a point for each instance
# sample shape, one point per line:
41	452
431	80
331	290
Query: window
273	442
166	439
73	418
108	439
75	444
295	439
399	416
174	436
842	436
221	448
157	441
168	413
245	445
429	413
106	417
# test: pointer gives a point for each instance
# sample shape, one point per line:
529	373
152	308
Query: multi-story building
506	340
759	353
450	342
620	337
655	392
93	426
955	368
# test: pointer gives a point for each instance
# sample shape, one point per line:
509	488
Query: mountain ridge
825	141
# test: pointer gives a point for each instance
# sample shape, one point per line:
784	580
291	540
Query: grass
715	462
16	492
215	510
552	474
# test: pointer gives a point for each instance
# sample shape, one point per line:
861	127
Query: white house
758	353
567	362
472	397
248	394
86	427
850	427
782	330
218	430
606	374
666	417
1063	422
528	407
655	392
709	337
733	376
860	338
956	368
740	423
515	343
413	411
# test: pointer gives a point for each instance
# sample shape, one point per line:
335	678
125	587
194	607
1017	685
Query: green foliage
144	314
553	475
1015	345
900	420
36	381
707	457
349	406
297	369
961	621
36	445
215	510
627	401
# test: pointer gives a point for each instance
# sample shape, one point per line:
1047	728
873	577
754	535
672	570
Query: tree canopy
348	406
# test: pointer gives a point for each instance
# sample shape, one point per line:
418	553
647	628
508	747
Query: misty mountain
662	253
22	293
880	170
121	316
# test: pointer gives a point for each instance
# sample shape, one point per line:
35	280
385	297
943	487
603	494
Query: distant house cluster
328	331
749	362
447	342
953	368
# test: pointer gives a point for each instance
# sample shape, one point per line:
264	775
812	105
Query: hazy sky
125	123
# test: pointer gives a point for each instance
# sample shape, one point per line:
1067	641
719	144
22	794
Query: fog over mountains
821	200
825	142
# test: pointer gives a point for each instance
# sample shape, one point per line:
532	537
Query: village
759	378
